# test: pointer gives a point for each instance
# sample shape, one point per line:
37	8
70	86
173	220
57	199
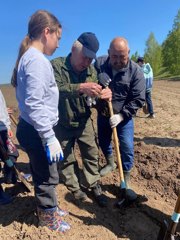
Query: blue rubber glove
53	150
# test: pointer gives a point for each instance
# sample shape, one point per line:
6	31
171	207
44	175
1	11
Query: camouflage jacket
73	108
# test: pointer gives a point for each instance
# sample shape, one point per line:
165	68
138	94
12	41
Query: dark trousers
85	138
125	131
45	176
149	102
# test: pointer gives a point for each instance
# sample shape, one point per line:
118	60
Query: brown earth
155	178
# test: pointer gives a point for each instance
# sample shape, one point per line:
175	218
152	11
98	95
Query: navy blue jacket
128	88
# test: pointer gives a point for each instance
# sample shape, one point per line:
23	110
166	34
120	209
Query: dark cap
90	44
140	59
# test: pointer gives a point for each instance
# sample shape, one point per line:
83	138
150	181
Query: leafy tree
134	56
171	48
153	53
176	24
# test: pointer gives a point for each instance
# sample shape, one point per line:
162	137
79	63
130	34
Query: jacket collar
68	67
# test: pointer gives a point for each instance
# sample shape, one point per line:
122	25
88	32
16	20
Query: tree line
164	58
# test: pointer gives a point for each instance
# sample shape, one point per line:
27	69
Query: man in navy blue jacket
128	95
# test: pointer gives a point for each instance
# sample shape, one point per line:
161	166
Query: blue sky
132	19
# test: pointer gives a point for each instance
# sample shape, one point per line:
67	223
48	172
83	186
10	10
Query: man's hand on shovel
127	195
115	120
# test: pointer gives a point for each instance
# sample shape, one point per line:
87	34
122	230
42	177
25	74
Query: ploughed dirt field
155	178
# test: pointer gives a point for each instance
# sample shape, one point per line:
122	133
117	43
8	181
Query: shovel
126	194
10	164
13	119
167	231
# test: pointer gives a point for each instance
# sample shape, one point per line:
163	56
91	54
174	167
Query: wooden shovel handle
116	145
171	229
13	119
177	207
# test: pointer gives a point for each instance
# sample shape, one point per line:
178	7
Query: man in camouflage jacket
77	81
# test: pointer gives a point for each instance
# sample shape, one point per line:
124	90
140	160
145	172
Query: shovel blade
126	198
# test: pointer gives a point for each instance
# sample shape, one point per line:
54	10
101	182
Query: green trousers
85	138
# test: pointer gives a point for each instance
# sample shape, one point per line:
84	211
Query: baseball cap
140	59
90	44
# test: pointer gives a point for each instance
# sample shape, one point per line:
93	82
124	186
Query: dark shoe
126	198
9	175
100	198
4	198
80	195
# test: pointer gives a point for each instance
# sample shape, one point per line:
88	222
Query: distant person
77	80
8	146
148	74
128	95
37	95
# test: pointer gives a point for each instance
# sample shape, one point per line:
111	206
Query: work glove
53	150
115	120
